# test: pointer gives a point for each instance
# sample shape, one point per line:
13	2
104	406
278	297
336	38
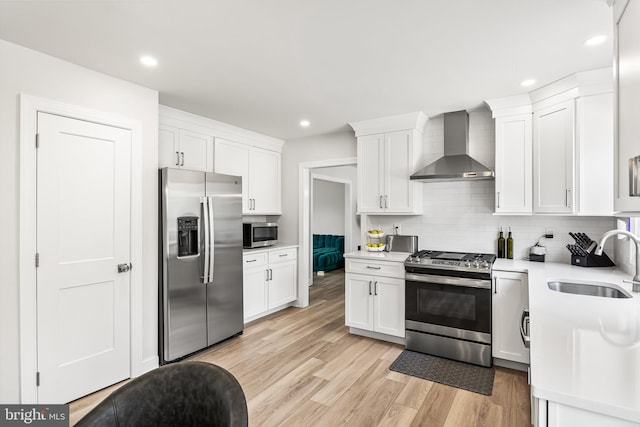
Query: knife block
592	260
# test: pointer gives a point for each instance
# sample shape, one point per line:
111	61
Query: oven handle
446	280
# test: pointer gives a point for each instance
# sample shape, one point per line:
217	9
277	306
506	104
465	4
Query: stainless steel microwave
259	234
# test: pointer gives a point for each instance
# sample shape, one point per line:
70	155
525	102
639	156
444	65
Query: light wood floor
301	367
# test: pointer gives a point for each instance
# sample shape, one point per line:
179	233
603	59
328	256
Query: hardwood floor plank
301	367
398	415
435	408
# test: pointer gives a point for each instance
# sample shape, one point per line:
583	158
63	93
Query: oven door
449	306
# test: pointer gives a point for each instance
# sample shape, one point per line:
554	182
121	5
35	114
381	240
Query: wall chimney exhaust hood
456	165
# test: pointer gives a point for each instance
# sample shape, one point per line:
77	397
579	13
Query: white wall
33	73
348	173
458	216
328	207
330	146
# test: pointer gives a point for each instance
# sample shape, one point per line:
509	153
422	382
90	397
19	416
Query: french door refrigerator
200	265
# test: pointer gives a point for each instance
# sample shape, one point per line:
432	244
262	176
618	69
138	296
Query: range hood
456	165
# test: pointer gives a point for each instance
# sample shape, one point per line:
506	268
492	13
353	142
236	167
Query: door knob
123	268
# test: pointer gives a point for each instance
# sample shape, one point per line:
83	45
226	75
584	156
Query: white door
389	306
553	158
83	233
370	173
282	283
398	194
513	164
264	181
233	159
358	301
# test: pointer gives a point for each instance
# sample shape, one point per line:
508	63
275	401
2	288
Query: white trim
178	118
304	209
415	120
348	211
29	107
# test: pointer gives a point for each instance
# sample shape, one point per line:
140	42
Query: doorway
79	301
305	270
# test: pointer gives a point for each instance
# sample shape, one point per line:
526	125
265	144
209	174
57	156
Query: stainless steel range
448	305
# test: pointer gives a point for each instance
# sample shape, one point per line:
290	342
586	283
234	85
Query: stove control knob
467	264
485	264
476	264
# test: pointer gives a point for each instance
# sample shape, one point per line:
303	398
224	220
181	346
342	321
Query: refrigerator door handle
211	239
205	219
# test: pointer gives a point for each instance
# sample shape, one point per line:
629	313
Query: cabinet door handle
526	339
251	260
498	200
182	158
495	285
267	274
283	255
634	176
568	197
270	274
386	199
370	267
380	201
177	158
375	288
369	287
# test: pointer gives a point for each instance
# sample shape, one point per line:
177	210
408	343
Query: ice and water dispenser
187	236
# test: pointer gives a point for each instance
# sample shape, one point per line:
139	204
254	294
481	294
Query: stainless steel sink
596	289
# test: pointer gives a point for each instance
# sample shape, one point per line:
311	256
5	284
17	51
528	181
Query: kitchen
437	222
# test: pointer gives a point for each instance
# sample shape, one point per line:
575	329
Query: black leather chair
179	394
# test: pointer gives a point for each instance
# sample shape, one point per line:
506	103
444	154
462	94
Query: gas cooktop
458	261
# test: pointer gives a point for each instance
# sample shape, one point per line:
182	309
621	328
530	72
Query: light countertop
585	350
380	256
275	247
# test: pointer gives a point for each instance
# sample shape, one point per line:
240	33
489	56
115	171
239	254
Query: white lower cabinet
269	281
375	303
509	301
554	414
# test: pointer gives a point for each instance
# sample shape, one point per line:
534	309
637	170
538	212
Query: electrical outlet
396	228
548	233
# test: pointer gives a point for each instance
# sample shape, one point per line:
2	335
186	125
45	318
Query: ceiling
266	65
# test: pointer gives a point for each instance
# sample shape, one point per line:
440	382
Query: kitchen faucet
634	239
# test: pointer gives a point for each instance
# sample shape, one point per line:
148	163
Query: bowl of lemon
375	234
375	247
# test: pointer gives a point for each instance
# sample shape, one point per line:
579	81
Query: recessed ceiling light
595	40
304	123
527	83
149	61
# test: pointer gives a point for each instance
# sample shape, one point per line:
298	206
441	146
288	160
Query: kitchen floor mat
450	372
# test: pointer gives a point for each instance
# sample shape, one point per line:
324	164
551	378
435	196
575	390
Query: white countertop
380	256
275	247
585	350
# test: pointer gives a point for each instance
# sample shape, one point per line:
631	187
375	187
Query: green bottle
509	245
501	244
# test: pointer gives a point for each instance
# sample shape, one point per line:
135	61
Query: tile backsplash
458	216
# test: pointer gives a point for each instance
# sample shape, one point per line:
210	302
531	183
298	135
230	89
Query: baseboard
377	335
511	364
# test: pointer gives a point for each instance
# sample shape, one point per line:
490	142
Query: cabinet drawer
280	255
254	260
377	268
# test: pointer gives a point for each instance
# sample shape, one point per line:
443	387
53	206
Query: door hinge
37	140
37	260
37	379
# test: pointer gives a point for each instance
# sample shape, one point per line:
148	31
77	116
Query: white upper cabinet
187	141
553	158
260	171
389	150
627	152
554	148
514	153
182	148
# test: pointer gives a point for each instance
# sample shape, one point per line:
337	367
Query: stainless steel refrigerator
200	266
